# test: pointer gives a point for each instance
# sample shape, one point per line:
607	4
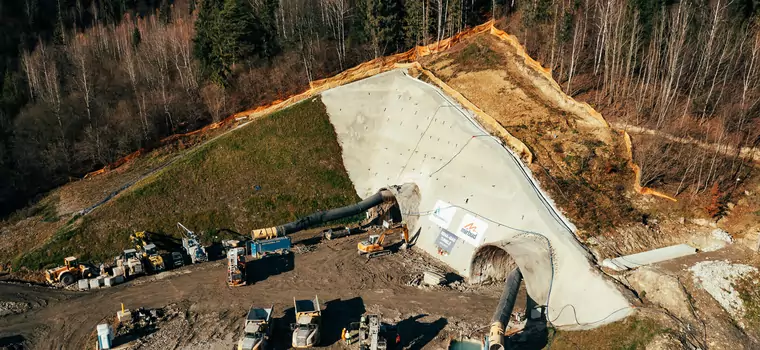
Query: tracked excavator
375	245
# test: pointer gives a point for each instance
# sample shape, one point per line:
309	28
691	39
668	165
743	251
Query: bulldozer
375	244
70	272
148	251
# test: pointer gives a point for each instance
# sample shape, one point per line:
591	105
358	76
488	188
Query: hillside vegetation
269	172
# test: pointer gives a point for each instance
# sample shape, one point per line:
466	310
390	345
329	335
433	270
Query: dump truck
130	262
192	246
70	272
236	267
306	329
257	329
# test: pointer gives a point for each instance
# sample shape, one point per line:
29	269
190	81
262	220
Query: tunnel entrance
491	264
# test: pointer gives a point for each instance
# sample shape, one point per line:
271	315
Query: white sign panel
442	214
472	230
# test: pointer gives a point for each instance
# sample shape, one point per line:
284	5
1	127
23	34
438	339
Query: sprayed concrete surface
471	193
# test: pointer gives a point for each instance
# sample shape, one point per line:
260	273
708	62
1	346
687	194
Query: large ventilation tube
504	310
322	217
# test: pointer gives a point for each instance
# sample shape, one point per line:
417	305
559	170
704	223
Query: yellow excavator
375	245
148	251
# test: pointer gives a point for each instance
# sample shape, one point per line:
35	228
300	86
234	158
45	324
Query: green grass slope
269	172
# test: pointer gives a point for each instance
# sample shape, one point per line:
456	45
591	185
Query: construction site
398	205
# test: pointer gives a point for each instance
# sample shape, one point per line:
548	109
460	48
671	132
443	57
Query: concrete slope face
473	197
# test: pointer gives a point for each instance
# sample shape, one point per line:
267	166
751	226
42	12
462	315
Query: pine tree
203	43
231	31
413	22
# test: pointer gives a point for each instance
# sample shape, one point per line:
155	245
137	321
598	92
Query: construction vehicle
228	244
236	257
148	251
236	267
370	334
70	272
192	246
375	245
306	329
177	259
130	263
257	329
262	248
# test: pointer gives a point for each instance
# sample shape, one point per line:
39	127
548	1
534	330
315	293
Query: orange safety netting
409	59
637	171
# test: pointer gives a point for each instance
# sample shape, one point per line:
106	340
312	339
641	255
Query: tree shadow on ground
415	334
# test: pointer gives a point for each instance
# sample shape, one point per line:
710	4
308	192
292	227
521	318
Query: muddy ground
207	314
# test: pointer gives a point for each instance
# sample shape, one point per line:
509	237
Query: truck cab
257	330
306	329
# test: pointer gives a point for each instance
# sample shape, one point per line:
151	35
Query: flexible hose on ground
322	217
500	318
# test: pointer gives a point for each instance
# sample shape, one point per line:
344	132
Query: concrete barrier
649	257
468	192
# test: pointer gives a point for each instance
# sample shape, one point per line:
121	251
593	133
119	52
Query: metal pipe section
500	318
322	217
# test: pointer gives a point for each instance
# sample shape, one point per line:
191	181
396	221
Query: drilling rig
192	245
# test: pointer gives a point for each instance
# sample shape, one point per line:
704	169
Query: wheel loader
69	273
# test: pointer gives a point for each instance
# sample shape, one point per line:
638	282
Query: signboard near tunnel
472	230
446	241
442	214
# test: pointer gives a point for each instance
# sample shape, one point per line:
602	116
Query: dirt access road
212	313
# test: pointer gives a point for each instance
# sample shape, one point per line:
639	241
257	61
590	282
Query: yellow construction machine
148	251
69	273
375	245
